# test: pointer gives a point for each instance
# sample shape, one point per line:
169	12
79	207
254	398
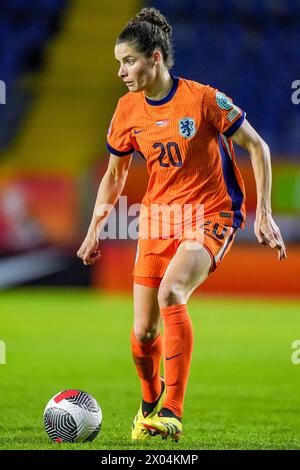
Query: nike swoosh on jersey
172	357
137	132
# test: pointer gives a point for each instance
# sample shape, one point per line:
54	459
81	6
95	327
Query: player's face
136	70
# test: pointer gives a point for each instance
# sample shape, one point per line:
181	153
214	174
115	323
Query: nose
122	72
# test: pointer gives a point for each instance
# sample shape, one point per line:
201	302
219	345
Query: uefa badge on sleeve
223	101
187	127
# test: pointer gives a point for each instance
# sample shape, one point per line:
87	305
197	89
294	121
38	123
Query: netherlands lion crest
187	127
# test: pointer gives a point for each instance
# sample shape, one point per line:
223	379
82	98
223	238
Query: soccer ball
72	416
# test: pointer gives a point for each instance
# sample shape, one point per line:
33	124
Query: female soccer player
184	130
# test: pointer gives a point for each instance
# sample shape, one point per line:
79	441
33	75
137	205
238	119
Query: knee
145	332
170	295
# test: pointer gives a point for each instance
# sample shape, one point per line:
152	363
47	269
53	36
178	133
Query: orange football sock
147	357
178	347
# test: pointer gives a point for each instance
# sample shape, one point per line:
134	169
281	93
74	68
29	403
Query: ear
157	57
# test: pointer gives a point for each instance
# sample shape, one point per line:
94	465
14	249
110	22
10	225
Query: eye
130	61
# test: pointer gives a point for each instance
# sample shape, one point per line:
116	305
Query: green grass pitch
243	391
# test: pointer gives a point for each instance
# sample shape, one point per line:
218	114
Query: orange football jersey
185	140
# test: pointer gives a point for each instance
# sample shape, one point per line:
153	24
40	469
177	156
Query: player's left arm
265	228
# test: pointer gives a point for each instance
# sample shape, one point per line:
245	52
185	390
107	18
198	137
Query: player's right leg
146	345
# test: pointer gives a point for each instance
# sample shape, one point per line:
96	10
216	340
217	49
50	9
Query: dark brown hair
147	31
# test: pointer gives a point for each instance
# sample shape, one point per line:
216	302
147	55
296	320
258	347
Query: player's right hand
89	251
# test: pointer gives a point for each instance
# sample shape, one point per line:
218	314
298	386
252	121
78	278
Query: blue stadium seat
247	49
25	28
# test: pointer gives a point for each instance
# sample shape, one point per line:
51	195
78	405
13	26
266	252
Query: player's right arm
109	191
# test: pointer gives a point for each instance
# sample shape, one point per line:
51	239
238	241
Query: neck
160	87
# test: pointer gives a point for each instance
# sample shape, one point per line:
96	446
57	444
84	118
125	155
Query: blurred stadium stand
26	27
249	50
63	74
56	58
74	91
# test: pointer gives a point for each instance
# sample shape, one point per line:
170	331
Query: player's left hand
268	233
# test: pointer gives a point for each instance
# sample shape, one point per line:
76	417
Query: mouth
128	83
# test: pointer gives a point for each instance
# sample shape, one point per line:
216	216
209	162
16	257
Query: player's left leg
187	270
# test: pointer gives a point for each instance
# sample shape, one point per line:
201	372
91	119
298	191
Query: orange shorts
154	255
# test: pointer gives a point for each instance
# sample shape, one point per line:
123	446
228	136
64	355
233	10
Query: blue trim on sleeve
169	95
235	126
117	153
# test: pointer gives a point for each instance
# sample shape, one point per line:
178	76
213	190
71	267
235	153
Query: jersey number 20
172	151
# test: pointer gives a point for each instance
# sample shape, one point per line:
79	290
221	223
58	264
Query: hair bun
152	15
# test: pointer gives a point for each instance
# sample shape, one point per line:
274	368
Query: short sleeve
221	112
118	136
